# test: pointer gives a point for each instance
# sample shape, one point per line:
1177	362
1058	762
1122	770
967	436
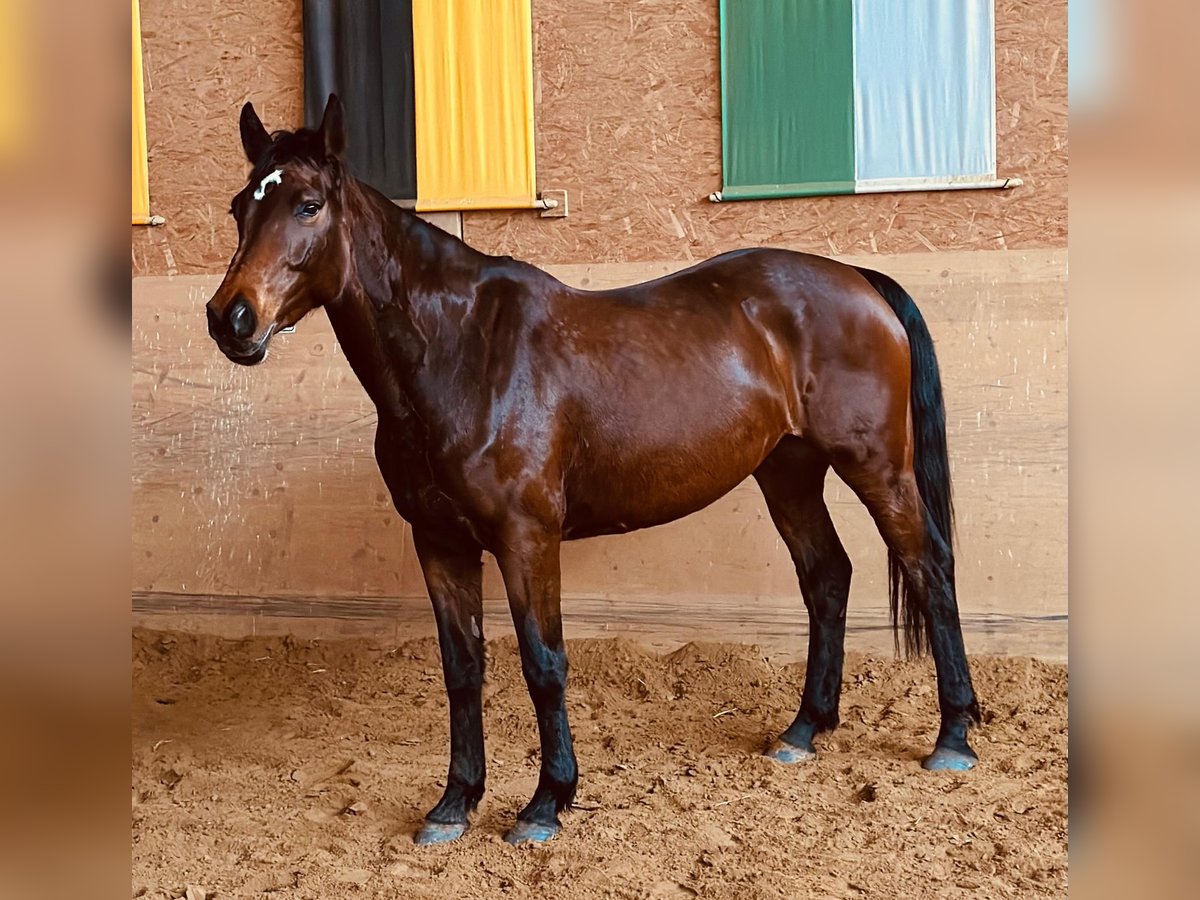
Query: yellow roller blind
473	74
141	175
14	81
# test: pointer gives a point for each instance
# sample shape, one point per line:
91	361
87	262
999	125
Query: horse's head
291	254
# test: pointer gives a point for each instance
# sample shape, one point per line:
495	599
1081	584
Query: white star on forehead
275	177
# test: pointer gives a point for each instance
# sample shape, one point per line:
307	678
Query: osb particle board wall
202	60
627	121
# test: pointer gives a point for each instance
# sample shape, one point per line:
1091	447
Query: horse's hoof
782	751
439	832
530	833
943	759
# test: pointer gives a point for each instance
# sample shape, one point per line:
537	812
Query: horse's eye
308	209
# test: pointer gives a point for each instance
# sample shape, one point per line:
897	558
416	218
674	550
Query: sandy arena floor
301	769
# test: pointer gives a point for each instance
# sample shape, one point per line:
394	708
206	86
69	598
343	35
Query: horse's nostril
241	317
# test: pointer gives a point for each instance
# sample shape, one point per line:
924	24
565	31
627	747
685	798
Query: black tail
930	459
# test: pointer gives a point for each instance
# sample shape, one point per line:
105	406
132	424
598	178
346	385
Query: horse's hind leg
792	479
926	563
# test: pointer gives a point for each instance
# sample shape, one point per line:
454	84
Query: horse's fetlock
563	788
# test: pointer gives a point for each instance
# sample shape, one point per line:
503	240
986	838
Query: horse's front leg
529	563
454	577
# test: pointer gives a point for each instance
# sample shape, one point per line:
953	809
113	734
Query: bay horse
515	413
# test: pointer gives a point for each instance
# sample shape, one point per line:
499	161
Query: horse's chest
417	493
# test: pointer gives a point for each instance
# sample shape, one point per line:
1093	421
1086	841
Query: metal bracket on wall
553	204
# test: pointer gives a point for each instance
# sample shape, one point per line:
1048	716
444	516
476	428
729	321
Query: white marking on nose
275	177
475	628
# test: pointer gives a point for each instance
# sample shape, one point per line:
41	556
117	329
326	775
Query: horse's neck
390	318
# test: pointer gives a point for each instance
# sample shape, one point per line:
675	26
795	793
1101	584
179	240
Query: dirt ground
288	768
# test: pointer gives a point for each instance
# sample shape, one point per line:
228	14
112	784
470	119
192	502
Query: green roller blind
857	96
787	102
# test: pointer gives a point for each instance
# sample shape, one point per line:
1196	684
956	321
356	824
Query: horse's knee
463	667
544	665
545	672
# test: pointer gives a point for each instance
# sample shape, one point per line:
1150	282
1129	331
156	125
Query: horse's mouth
252	357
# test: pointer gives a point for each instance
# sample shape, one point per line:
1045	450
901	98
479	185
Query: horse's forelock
304	146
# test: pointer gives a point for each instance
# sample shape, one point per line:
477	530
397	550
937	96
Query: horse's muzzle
231	330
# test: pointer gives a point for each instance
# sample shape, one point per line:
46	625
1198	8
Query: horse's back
769	317
814	293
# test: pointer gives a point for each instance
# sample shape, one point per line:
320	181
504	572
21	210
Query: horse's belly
589	517
636	478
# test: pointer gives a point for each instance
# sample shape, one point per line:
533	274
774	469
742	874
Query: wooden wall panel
261	482
627	120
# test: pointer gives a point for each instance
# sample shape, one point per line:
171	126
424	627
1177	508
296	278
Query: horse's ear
255	139
333	128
